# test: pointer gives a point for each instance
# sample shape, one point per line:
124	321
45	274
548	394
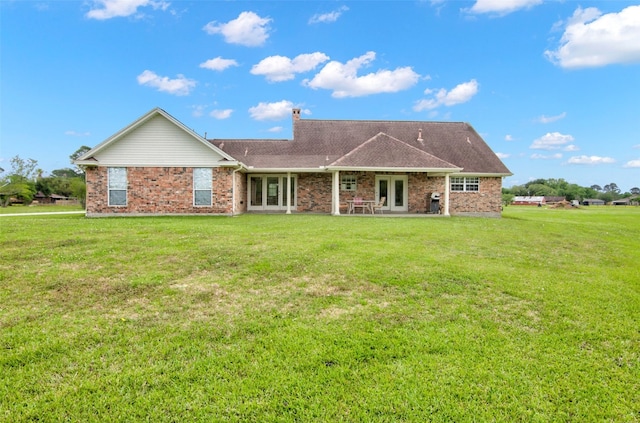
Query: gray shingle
357	143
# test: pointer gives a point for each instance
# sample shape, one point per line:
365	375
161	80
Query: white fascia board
140	121
251	169
484	175
394	169
95	163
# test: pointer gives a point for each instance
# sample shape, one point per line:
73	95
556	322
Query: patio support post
335	194
446	194
288	194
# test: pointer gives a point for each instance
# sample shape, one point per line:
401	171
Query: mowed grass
533	317
48	208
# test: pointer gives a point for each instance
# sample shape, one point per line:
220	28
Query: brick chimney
296	114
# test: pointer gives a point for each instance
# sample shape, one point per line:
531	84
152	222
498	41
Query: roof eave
394	169
485	174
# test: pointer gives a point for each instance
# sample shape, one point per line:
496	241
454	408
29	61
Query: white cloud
503	155
632	163
508	137
178	86
275	129
77	134
328	17
221	114
198	110
592	39
571	147
551	119
461	93
273	111
636	146
590	160
107	9
551	141
248	29
281	68
545	157
343	78
218	64
501	7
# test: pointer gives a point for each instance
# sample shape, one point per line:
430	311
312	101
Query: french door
269	192
394	189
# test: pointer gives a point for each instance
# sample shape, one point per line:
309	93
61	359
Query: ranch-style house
158	166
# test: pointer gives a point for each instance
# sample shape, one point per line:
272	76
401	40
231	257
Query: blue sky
552	86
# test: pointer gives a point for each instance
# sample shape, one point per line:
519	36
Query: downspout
446	194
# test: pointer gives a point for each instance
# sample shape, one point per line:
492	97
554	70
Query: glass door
273	192
269	192
394	189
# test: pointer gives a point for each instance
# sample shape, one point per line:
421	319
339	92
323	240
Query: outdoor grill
433	203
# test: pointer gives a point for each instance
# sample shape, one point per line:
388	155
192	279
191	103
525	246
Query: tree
79	152
635	191
26	169
507	198
20	182
612	187
65	173
79	190
596	187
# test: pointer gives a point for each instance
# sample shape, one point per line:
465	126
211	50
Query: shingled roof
444	146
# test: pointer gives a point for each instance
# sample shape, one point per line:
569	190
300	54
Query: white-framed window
117	182
202	184
466	183
348	183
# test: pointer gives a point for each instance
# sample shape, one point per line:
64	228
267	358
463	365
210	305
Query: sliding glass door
269	192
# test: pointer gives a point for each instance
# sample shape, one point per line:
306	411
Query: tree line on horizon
561	188
25	180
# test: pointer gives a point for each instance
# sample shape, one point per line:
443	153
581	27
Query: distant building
528	200
592	202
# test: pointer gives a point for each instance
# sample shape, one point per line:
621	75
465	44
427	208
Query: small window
117	180
465	184
202	177
348	183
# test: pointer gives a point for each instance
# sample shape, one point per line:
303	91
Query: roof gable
155	139
384	151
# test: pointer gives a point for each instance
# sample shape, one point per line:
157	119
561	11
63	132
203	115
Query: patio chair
379	205
358	203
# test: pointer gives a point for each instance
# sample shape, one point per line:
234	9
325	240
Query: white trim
282	199
84	159
287	193
394	169
482	175
335	192
446	195
391	192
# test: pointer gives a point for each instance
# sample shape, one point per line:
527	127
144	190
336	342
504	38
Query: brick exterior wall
486	202
169	190
314	193
159	190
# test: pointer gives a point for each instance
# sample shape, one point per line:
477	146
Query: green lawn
533	317
18	209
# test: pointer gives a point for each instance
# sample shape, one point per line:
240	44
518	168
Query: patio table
363	204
